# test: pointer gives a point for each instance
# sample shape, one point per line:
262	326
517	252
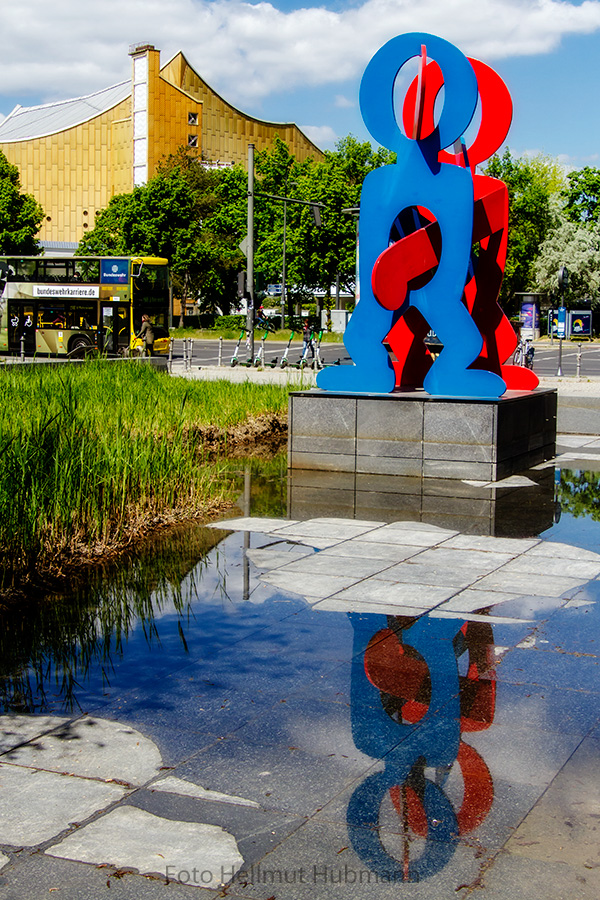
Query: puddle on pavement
406	737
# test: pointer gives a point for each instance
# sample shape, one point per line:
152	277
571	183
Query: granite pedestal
414	434
522	506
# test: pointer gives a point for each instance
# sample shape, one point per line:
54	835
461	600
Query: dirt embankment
259	436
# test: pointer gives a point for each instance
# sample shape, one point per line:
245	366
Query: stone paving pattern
241	764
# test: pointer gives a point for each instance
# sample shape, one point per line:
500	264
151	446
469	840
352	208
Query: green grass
92	455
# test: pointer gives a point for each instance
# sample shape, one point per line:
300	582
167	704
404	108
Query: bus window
151	285
87	270
83	316
51	317
24	269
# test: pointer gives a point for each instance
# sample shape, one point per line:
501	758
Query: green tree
577	247
315	254
579	493
582	195
532	184
180	214
20	214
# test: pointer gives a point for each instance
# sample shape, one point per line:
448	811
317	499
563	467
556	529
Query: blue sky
302	62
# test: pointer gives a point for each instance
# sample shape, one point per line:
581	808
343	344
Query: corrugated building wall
73	156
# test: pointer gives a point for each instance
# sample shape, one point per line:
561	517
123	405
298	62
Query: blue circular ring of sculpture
377	88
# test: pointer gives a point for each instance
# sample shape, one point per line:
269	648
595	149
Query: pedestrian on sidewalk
308	340
147	335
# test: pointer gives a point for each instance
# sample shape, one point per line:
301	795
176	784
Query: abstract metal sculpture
433	233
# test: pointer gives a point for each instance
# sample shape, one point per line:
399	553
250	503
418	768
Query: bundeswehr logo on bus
114	271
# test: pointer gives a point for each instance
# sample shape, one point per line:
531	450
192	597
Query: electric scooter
284	358
303	362
234	358
317	361
258	359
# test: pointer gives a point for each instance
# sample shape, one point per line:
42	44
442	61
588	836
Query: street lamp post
283	270
316	211
250	255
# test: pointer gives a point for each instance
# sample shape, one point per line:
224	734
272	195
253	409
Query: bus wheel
79	345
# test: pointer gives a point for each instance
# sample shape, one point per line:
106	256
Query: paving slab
256	831
508	580
172	785
319	862
249	523
415	572
468	601
276	556
394	552
487	543
330	564
311	586
15	729
547	708
37	806
558	564
33	876
91	747
408	594
281	778
187	852
564	825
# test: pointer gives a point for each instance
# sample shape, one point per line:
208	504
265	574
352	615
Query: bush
223	323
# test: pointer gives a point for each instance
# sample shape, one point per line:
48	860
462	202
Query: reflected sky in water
418	734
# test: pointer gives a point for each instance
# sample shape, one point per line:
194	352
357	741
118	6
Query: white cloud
321	135
248	51
344	102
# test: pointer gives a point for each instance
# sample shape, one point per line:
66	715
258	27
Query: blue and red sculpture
433	233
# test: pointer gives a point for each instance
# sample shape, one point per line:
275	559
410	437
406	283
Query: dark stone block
414	435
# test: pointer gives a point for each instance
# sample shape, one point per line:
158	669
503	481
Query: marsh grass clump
92	456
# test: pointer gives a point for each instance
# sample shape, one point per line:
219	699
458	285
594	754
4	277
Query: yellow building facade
74	155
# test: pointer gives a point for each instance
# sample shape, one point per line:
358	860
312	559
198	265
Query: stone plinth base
413	434
516	507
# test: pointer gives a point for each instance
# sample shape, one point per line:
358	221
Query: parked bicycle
524	353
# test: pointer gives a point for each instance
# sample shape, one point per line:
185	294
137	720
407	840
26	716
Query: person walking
147	335
307	338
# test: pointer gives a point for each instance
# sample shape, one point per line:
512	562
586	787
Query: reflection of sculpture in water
432	233
410	706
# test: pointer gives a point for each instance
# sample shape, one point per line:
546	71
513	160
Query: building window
192	118
192	140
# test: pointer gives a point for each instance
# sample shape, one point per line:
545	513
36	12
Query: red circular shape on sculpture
496	110
478	795
397	669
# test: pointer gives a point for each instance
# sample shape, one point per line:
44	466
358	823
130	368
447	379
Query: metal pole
170	356
559	370
220	351
250	254
283	273
578	360
246	561
191	353
22	348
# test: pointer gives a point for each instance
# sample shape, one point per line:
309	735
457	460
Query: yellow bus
72	305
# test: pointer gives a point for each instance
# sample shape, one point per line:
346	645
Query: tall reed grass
92	455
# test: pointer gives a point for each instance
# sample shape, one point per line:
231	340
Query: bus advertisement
72	305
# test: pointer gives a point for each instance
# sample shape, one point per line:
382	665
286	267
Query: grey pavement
323	793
